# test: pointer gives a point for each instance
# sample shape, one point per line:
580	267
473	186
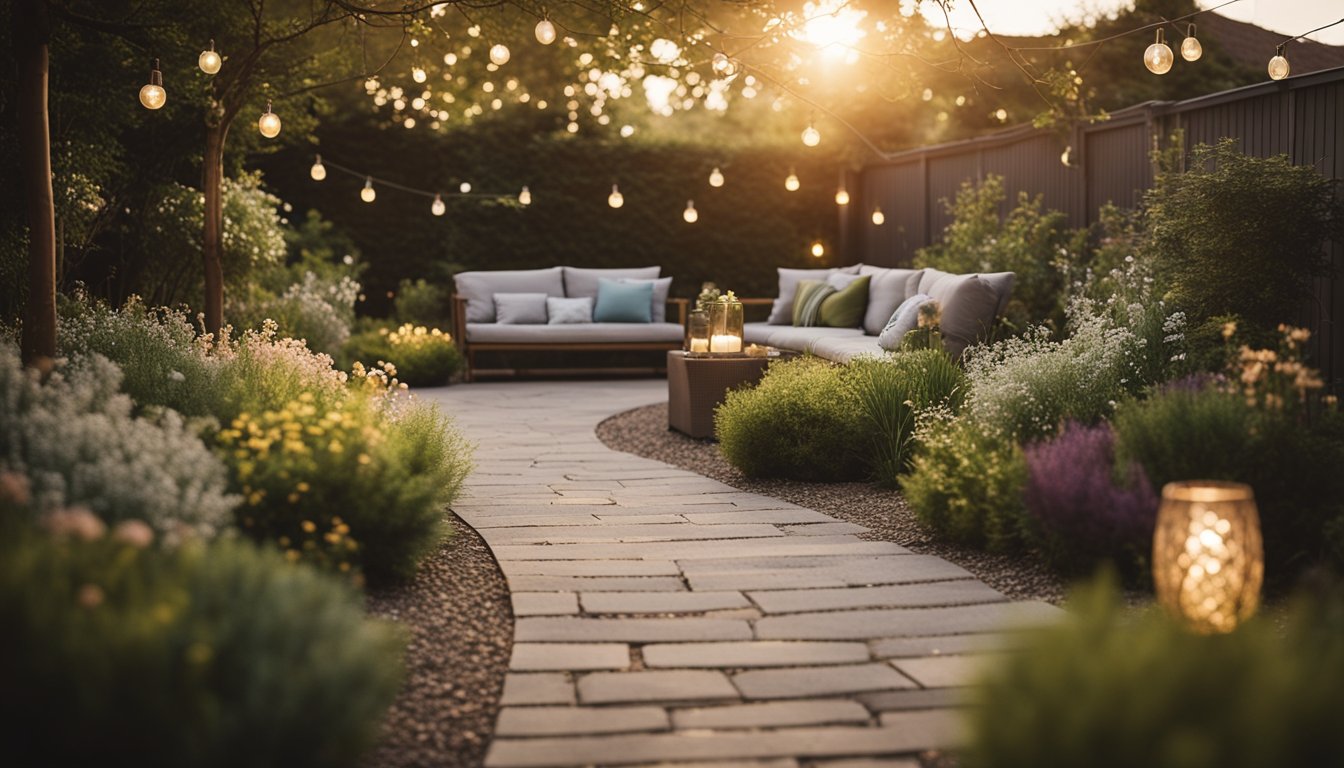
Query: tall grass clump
893	390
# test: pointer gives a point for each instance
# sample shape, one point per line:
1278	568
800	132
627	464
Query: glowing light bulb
545	32
209	61
842	196
716	178
1158	57
318	171
627	131
418	74
437	207
721	63
879	218
499	54
690	214
152	95
1278	67
269	123
464	187
791	182
525	197
1191	50
615	200
818	250
1066	157
368	194
811	136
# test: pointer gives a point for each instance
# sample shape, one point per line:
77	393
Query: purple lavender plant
1086	512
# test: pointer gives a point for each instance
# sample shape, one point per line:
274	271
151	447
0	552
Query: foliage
1240	235
893	391
804	420
421	302
1188	432
1033	243
424	357
204	656
966	482
75	439
1083	513
1104	687
316	310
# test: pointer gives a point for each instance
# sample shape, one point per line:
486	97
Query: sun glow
832	26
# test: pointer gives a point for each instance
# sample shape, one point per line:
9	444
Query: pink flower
133	532
75	522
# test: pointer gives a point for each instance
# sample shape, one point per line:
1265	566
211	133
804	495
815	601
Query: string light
418	74
464	187
1066	157
319	171
1278	66
818	250
368	194
615	200
209	61
499	54
525	197
791	182
437	207
811	136
716	178
1191	50
1158	58
690	214
545	32
152	94
269	123
842	196
879	218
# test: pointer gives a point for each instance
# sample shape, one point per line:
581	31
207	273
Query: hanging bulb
464	187
525	197
1158	57
791	182
545	32
716	178
720	63
818	249
1278	67
1066	157
614	199
690	214
437	207
152	95
418	74
499	54
1191	50
209	61
879	218
318	171
842	196
269	123
811	136
368	194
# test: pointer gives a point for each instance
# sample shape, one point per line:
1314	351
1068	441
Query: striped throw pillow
807	302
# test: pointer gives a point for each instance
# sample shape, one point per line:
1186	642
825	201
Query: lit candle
699	345
725	343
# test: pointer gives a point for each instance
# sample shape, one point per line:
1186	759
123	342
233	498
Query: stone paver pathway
663	617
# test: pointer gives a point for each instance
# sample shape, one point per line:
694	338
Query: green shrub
966	482
366	348
803	420
1187	432
893	391
423	357
187	656
420	302
317	310
1105	688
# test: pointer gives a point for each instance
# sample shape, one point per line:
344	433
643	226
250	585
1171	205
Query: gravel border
459	618
644	432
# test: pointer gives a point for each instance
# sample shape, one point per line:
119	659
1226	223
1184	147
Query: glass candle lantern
725	325
697	333
1208	559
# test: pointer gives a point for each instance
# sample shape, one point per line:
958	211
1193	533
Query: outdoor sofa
969	304
518	311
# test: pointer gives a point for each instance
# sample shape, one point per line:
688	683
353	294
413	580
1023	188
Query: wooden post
31	34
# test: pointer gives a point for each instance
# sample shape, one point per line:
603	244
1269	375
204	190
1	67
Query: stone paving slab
752	654
590	568
909	647
946	671
545	657
595	583
962	592
773	714
911	622
662	686
633	630
620	532
819	681
564	721
545	603
668	602
537	688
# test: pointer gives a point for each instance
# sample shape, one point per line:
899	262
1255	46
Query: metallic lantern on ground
697	333
725	325
1208	559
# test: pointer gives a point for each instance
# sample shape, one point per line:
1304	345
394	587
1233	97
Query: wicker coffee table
698	385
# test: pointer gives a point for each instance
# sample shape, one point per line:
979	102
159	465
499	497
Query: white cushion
563	311
887	289
582	281
479	288
520	308
904	320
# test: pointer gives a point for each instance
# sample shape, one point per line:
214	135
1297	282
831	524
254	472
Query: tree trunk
31	34
212	184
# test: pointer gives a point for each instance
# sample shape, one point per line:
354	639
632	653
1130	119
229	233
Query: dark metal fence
1110	162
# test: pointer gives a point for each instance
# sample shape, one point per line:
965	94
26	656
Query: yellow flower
308	526
364	458
302	487
1229	329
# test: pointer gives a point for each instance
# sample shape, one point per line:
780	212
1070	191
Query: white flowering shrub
316	310
75	439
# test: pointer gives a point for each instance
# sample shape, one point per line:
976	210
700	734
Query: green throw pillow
845	308
807	301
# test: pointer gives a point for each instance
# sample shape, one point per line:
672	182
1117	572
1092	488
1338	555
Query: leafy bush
202	656
1103	687
804	420
423	357
1185	433
893	391
1268	217
1083	515
420	302
966	482
318	311
74	437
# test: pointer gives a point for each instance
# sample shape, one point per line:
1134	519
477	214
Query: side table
698	385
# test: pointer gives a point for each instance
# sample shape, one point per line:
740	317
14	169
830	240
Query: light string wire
382	182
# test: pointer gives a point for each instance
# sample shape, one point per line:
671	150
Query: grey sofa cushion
582	281
520	308
758	333
842	350
781	313
479	288
661	287
581	333
905	320
887	289
969	306
565	311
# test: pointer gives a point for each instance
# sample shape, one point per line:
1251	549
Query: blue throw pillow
623	302
904	320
